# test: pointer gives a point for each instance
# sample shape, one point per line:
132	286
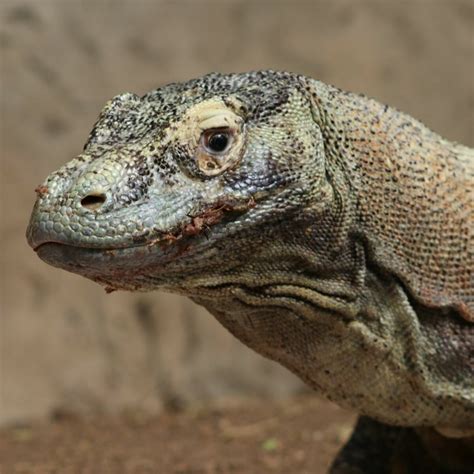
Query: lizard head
172	184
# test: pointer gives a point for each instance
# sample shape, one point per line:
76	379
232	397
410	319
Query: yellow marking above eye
198	124
211	113
221	119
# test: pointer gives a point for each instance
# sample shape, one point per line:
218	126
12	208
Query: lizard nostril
93	201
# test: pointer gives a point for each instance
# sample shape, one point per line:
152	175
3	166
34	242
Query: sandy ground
297	436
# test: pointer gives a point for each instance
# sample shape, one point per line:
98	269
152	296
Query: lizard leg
376	448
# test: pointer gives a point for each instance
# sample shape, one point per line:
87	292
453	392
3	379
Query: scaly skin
333	234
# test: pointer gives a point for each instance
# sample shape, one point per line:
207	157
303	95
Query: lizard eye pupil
217	142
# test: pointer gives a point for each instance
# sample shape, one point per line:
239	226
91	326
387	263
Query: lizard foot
376	448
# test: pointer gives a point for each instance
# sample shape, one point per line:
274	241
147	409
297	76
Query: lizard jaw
106	261
107	266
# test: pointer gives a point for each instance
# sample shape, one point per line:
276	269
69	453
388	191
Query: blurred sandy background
66	345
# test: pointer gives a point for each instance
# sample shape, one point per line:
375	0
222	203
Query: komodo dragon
323	229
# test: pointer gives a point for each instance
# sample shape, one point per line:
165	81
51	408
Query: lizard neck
410	192
303	265
341	334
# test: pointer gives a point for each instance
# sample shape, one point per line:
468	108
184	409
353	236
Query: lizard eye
219	149
217	141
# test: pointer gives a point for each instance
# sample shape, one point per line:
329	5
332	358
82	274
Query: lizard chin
141	267
75	259
101	264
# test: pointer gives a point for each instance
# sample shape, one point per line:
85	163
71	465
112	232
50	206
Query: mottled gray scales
325	230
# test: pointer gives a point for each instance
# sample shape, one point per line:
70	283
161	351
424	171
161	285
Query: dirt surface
297	436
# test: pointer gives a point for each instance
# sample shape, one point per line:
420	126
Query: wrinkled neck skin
348	328
318	302
348	312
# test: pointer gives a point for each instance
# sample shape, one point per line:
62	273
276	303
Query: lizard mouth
114	268
79	255
195	226
78	258
145	259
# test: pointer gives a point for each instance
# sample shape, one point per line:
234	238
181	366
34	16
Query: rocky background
67	346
